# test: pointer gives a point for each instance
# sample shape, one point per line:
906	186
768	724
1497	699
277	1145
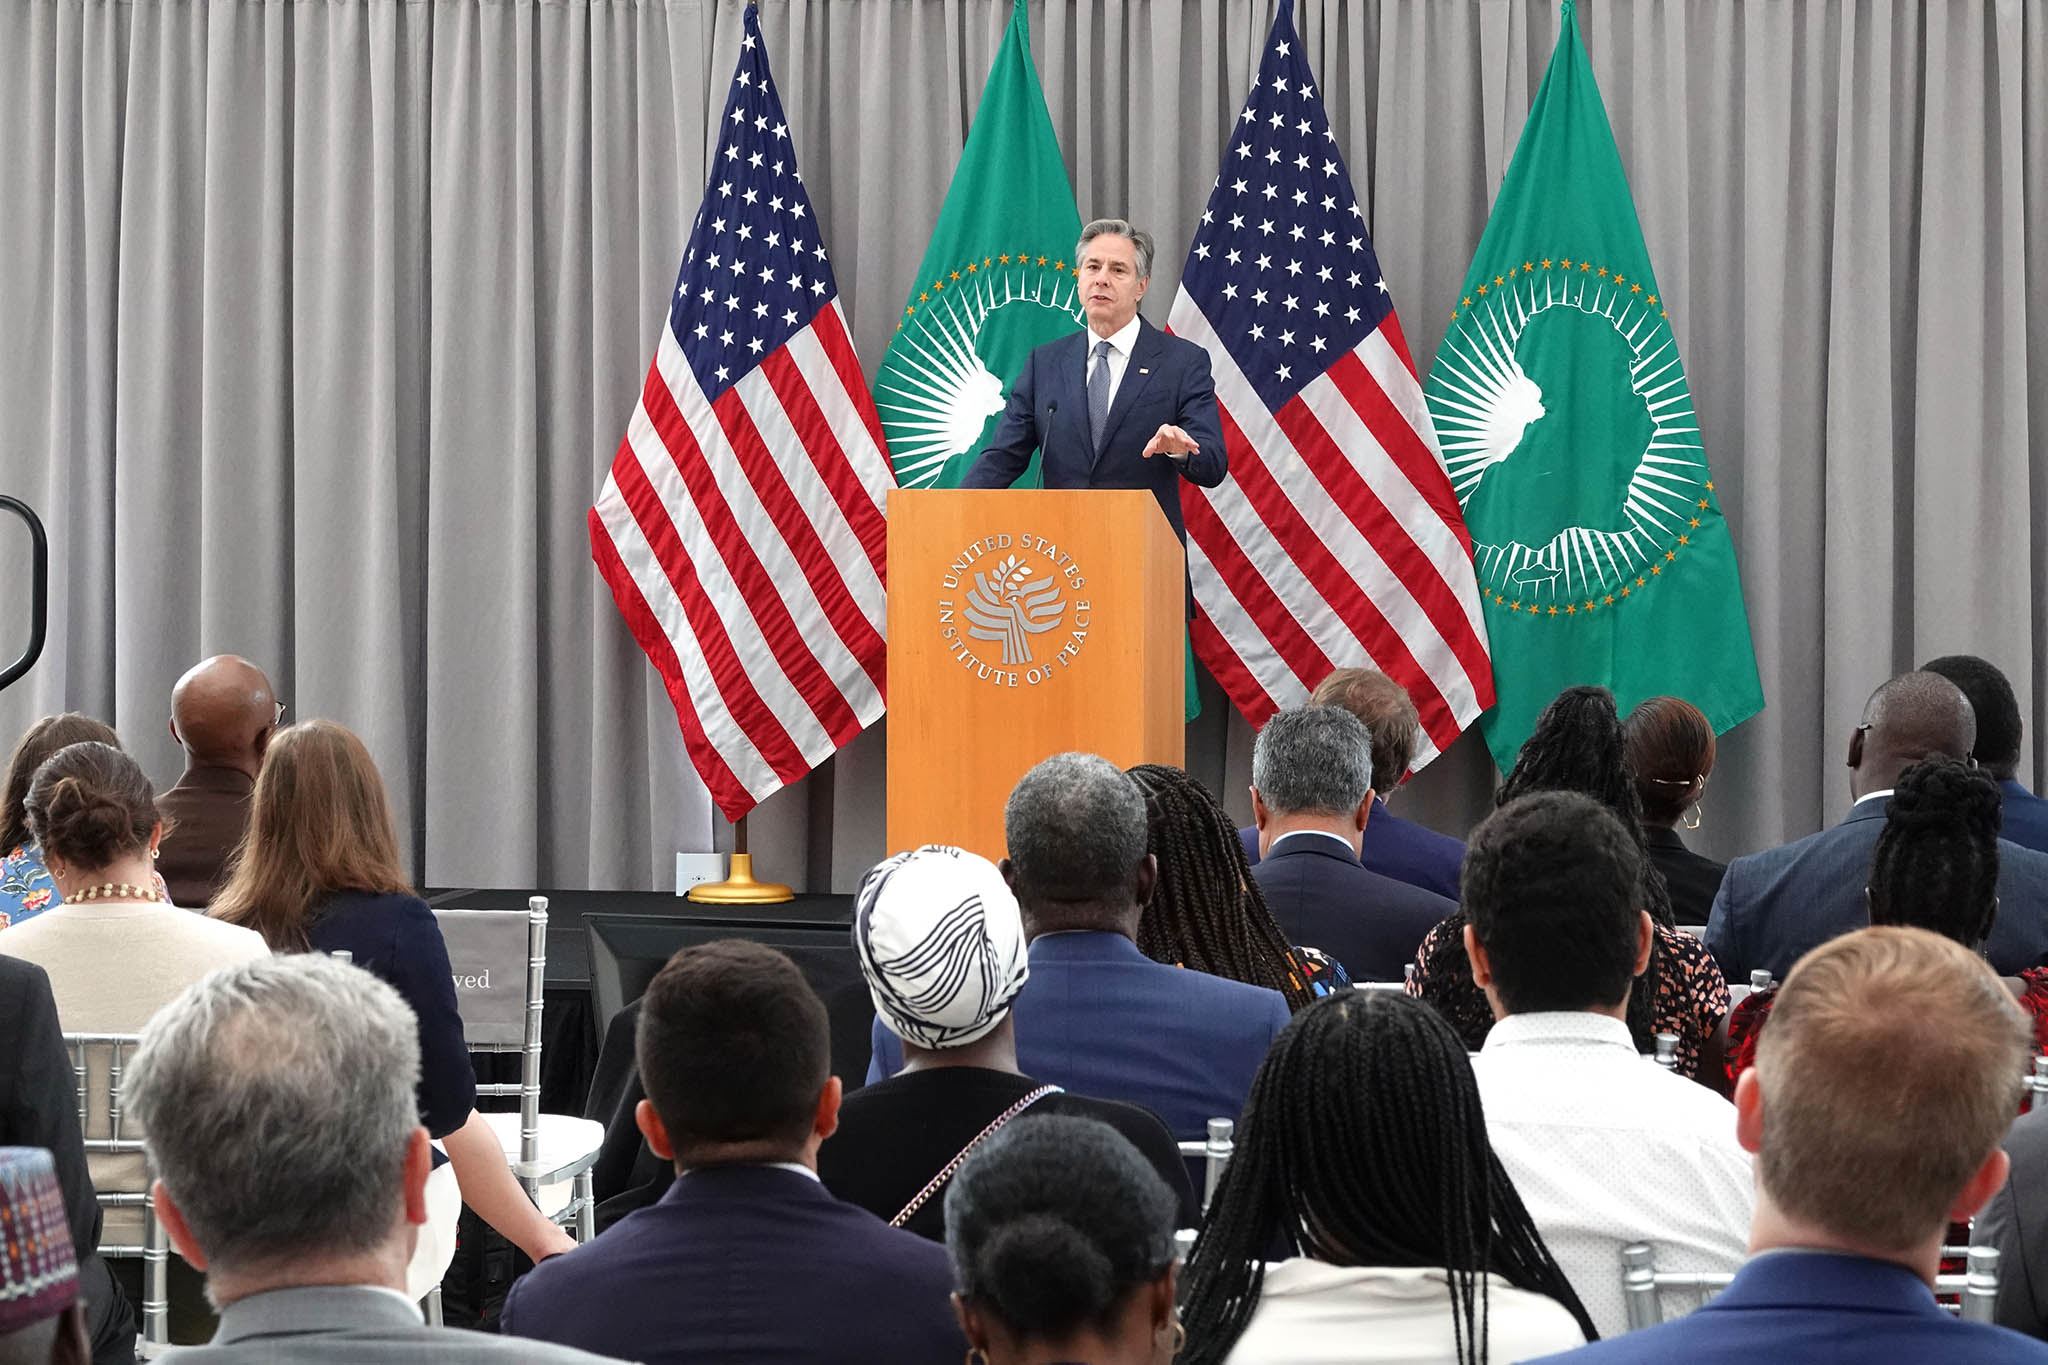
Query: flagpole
740	888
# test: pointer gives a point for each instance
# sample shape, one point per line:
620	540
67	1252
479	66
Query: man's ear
826	1121
1262	815
650	1125
175	1227
1856	747
1646	934
1482	966
419	1164
1364	811
1009	871
1146	881
173	723
1749	1111
1989	1179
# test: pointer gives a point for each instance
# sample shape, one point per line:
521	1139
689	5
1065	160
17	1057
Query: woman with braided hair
1206	912
1363	1149
1935	868
1577	746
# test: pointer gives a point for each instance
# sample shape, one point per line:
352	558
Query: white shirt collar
1336	839
1884	795
1121	340
1558	1026
796	1166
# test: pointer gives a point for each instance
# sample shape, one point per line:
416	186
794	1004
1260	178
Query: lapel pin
1144	371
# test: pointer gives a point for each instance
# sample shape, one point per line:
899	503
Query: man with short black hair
1605	1146
1390	846
1888	1075
2000	731
278	1101
1312	803
747	1258
1097	1016
1775	905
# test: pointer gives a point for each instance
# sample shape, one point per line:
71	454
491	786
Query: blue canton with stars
754	273
1281	263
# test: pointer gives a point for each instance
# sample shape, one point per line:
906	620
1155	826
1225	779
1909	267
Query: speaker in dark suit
1118	405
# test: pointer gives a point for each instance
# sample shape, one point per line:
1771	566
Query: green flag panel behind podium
1572	442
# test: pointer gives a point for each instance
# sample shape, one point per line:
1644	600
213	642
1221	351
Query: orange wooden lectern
1023	623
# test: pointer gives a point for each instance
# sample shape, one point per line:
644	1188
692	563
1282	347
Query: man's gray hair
277	1098
1118	227
1075	825
1312	760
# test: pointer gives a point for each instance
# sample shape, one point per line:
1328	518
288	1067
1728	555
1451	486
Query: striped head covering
38	1272
941	944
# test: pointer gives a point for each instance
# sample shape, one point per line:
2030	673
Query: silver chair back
100	1108
1214	1155
500	1004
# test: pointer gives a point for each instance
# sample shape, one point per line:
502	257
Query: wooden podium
1024	623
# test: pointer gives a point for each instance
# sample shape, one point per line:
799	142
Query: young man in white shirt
1605	1146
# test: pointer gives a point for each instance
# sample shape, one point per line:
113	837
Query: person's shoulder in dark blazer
746	1265
2026	817
1325	898
1774	905
1692	878
2019	932
2016	1222
204	817
1397	848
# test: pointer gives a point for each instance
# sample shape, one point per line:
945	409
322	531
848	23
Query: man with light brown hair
1389	845
1880	1095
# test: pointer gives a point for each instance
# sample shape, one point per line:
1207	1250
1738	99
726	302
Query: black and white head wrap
941	944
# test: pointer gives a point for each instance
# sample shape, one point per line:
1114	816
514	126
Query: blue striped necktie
1098	395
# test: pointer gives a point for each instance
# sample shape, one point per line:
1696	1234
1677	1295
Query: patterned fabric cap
941	944
38	1273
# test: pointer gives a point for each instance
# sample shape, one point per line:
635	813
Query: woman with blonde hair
318	871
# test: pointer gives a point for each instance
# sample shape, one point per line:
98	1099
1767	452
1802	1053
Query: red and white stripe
1336	541
743	541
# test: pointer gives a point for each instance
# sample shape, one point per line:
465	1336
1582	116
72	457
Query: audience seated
25	886
319	871
39	1108
42	1312
941	944
291	1167
1935	868
1391	846
1098	1016
1880	1093
747	1258
1997	749
1206	912
1577	747
2016	1223
223	713
1364	1152
1312	801
114	949
1669	744
1775	905
1061	1238
1606	1146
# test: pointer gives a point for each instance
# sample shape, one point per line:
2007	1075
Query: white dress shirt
1119	357
1607	1148
1312	1313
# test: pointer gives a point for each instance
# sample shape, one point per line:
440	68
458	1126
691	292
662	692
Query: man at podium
1120	405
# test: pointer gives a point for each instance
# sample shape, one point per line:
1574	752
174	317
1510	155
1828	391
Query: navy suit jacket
1166	381
1806	1307
1775	905
1104	1020
746	1264
2026	817
1397	848
1325	898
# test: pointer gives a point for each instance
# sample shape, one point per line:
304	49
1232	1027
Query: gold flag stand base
740	888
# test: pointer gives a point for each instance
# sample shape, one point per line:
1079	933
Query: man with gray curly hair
1097	1016
1312	796
278	1101
1119	404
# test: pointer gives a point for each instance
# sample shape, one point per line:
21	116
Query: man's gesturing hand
1172	442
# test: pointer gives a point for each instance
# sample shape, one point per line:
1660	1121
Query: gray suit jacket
1774	905
2016	1222
345	1324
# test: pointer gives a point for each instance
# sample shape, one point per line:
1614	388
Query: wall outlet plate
693	869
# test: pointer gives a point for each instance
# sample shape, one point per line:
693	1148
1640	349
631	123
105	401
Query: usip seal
1013	609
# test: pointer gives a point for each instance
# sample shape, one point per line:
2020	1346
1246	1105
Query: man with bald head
1775	905
223	713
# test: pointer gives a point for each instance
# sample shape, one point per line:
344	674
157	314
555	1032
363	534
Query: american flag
1336	540
740	529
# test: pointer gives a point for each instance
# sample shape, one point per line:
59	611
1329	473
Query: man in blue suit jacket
1119	405
1389	845
1312	780
747	1259
1873	1130
1999	733
1097	1016
1774	905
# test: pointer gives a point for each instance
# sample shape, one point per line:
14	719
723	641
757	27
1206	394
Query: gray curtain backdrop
319	324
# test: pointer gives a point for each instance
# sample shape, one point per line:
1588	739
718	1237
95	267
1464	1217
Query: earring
1180	1336
155	853
976	1356
1692	817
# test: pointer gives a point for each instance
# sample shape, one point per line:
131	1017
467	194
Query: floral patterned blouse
26	889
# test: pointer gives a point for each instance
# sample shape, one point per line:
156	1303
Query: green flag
996	281
1573	446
